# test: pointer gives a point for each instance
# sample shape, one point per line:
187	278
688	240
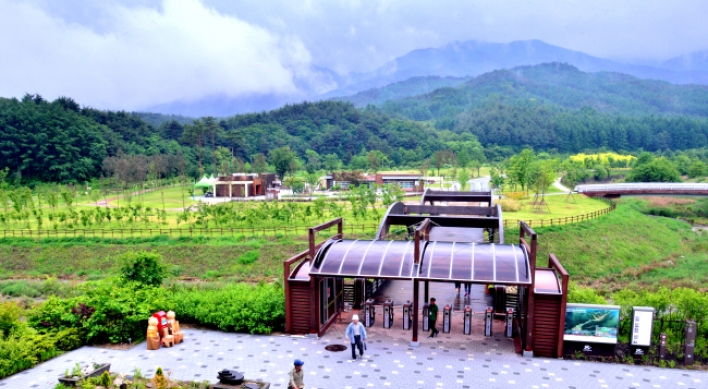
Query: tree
259	163
332	162
697	169
658	170
313	161
497	178
600	172
212	130
439	159
463	159
236	137
376	160
520	167
462	178
194	134
477	165
282	159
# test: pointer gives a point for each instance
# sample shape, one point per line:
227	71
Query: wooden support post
426	292
414	340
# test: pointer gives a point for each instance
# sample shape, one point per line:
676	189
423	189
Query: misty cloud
143	56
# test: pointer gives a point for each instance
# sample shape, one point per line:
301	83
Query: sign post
642	326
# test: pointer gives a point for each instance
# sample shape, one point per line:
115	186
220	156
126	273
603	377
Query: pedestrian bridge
643	188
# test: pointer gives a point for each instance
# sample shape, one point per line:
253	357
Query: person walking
297	376
468	289
356	333
432	318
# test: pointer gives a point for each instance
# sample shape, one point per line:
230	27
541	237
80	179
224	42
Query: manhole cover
336	347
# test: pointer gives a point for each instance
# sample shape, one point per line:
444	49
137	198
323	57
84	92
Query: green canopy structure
206	182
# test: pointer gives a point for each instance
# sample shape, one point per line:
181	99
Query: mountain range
431	68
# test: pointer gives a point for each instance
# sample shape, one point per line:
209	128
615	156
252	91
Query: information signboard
642	323
591	323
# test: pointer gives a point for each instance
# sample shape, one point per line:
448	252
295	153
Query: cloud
140	56
386	29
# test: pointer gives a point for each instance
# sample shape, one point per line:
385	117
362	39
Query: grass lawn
558	207
173	198
626	248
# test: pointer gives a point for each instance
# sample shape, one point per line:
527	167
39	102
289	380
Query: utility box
690	345
388	314
369	313
407	315
467	321
509	323
447	318
488	320
426	313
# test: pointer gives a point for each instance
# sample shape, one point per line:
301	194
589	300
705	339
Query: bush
516	195
143	267
238	307
577	294
510	205
106	312
25	348
248	257
9	317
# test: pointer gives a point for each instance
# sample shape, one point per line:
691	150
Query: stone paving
450	361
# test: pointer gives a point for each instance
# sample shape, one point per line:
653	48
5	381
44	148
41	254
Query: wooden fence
348	228
561	220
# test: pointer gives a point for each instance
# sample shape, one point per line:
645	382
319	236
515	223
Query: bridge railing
643	186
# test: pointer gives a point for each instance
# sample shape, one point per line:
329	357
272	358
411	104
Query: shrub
510	205
9	317
237	307
248	257
577	294
143	267
106	312
516	195
23	349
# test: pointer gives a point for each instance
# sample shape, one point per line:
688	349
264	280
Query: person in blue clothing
356	333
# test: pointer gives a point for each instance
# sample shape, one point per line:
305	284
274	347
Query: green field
627	249
558	206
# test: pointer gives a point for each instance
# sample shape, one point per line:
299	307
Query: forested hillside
556	106
59	141
330	127
551	107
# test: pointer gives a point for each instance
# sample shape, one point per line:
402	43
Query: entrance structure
443	243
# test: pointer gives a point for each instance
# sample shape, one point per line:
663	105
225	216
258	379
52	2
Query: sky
134	54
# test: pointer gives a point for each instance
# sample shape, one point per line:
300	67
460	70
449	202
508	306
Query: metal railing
643	186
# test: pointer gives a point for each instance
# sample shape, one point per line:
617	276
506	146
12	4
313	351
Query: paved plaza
452	360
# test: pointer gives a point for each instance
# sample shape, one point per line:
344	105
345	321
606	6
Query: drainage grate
336	347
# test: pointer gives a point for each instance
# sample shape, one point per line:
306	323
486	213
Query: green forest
552	108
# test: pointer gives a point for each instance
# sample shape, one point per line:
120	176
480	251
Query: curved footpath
450	361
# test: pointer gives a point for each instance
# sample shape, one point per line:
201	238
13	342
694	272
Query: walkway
449	361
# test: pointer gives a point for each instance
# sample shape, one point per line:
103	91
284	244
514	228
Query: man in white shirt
356	333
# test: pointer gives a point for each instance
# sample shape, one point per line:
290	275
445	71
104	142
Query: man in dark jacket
432	318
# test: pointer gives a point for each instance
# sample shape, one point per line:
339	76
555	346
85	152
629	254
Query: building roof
440	261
